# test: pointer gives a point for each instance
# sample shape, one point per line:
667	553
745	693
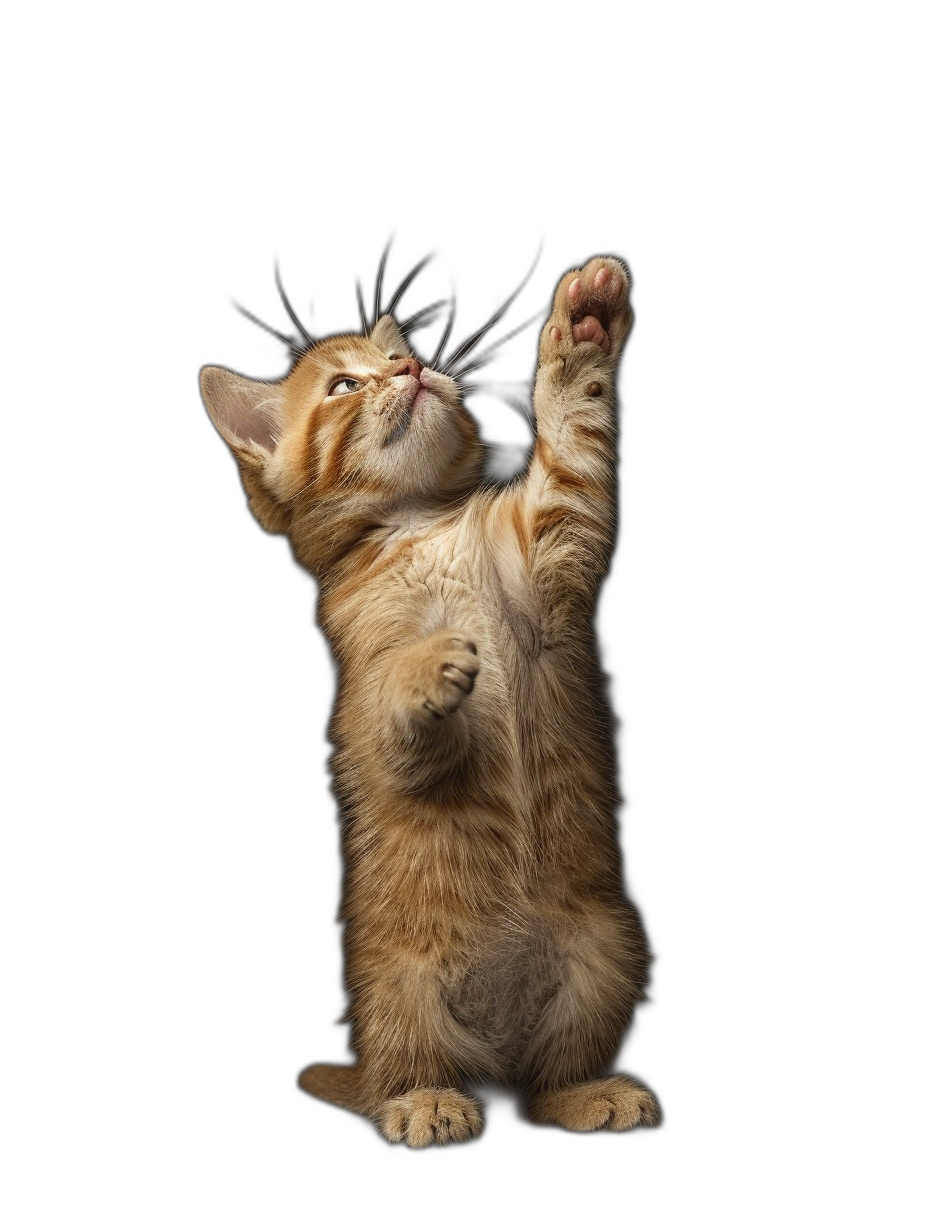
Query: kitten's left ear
249	416
387	335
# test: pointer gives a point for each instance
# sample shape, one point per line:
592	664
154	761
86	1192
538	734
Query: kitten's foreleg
569	492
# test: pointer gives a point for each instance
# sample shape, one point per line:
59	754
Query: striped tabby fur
487	934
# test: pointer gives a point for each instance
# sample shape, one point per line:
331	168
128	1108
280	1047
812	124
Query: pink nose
409	367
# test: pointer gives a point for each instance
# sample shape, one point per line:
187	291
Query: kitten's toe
458	666
590	305
461	675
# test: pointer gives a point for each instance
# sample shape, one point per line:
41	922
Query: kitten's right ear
249	416
387	335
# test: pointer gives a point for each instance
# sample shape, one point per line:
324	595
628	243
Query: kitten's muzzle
407	390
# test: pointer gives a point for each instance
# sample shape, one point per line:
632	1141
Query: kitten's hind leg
617	1102
429	1115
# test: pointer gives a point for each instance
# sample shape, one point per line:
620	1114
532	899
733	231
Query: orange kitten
488	937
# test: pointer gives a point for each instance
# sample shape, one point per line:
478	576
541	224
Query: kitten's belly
502	996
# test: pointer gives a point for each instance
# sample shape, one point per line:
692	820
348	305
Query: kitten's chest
445	569
467	581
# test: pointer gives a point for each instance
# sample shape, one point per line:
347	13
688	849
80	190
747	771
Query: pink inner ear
243	410
387	335
258	422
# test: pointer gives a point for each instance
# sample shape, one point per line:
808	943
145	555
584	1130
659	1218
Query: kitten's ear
249	416
387	335
243	410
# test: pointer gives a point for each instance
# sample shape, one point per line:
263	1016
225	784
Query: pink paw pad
590	330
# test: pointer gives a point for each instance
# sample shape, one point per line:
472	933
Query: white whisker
468	345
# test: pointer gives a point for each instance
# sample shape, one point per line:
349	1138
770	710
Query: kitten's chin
419	396
428	460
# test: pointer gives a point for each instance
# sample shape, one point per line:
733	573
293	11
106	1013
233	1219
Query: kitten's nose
409	367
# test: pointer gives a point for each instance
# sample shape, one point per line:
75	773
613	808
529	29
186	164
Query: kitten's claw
444	672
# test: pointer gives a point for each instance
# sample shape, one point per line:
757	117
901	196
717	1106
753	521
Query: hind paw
430	1116
615	1103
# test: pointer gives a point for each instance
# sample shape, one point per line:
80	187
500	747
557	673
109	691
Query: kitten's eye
344	385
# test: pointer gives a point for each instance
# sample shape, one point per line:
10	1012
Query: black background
245	952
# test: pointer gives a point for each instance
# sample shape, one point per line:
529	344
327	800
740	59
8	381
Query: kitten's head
358	419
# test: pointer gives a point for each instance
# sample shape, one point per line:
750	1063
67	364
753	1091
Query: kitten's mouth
415	394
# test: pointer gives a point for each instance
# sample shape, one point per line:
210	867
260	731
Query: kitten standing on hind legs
488	937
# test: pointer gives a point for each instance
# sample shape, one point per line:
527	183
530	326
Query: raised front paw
590	306
442	671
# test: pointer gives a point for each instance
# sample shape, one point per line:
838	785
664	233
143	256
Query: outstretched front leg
569	494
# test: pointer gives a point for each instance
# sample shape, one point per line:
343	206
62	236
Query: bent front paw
591	310
442	674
